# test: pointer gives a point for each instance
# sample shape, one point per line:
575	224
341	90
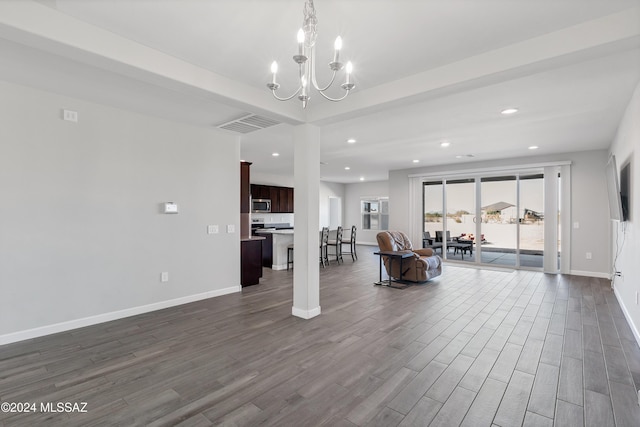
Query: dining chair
352	244
324	240
337	244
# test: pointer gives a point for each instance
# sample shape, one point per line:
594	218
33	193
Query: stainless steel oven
261	206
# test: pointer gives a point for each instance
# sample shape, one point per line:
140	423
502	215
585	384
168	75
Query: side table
392	255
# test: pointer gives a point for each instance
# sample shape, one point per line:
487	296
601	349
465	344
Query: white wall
82	239
327	190
588	202
625	147
353	194
271	179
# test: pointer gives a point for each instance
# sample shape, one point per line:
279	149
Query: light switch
576	225
231	228
212	229
170	208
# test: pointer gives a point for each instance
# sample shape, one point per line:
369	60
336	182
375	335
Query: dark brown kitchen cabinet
274	195
289	199
260	191
281	197
282	200
251	256
244	187
267	251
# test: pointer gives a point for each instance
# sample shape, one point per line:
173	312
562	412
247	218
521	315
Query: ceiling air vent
248	123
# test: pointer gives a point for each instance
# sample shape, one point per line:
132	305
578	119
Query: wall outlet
212	229
164	276
576	225
70	116
231	228
589	255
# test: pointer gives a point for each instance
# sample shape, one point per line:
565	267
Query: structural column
306	273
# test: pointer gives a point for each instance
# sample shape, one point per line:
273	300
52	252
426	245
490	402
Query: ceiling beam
610	34
33	24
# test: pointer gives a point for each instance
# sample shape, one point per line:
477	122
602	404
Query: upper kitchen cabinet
288	196
260	191
281	197
274	195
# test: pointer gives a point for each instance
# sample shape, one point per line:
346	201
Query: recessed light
347	168
351	140
362	178
416	161
445	144
509	111
464	156
533	147
275	154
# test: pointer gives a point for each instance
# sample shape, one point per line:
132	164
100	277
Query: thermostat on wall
170	208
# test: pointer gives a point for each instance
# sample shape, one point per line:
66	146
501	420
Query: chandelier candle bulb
349	71
274	70
300	41
337	46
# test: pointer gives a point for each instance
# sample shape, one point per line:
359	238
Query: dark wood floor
473	348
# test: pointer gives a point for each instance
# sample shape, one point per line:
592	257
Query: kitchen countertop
266	231
250	238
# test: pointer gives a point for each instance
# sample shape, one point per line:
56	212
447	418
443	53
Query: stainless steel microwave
261	206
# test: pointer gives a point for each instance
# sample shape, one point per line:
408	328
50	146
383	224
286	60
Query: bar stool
289	255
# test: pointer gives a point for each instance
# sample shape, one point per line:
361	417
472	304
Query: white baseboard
627	316
114	315
367	243
278	267
590	274
305	314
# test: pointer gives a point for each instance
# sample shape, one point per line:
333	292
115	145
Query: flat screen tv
625	183
613	190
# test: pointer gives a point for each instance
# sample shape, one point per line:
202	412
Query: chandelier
306	62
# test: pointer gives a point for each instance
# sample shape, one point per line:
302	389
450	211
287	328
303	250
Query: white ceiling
426	71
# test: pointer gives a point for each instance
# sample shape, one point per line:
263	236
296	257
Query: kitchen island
280	240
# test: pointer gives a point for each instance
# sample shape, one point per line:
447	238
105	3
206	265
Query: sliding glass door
460	225
531	220
499	231
433	214
492	220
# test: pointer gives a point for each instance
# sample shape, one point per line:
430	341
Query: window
375	213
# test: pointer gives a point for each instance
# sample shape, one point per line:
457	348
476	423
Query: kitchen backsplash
270	218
